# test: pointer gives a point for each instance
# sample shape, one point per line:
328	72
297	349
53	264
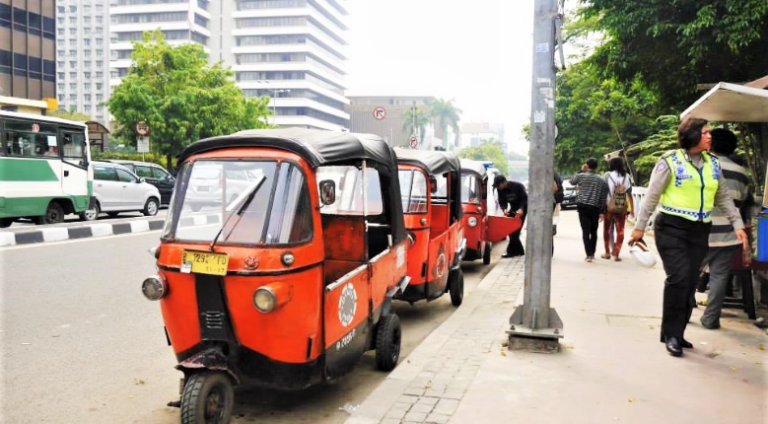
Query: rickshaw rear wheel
208	398
487	254
457	287
388	338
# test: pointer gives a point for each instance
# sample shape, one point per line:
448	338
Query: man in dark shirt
514	201
591	203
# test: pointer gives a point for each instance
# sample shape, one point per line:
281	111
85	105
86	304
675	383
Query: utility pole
534	325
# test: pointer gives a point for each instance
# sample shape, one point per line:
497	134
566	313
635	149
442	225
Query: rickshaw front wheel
457	287
388	338
208	398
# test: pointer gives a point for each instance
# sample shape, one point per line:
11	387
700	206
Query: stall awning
728	102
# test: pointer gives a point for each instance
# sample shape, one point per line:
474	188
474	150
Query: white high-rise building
82	46
181	21
292	51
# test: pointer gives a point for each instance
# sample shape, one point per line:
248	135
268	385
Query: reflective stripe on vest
692	194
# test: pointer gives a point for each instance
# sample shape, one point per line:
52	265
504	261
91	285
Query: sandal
605	256
617	259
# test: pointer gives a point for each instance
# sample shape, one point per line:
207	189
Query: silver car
116	189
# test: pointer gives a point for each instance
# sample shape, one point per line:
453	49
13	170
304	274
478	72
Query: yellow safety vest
691	194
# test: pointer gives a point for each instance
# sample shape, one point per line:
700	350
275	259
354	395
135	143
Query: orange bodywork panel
499	227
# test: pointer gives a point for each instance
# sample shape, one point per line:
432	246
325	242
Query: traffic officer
688	183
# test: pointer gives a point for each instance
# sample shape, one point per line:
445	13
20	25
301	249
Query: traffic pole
534	325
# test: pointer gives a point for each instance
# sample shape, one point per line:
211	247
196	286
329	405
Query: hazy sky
476	52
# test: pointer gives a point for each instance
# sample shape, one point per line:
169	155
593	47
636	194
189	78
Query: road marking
59	243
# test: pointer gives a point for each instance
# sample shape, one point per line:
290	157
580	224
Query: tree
72	116
182	99
488	150
415	121
672	46
447	115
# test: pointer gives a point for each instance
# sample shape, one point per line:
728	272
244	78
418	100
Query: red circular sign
414	142
142	128
379	113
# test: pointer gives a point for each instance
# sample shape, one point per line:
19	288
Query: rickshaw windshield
349	190
413	191
208	192
470	189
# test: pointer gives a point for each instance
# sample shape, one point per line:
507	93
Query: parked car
569	195
116	189
154	174
209	188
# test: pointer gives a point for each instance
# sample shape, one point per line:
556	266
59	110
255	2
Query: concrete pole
535	320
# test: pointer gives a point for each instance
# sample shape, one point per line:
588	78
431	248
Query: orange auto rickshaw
283	277
474	200
430	184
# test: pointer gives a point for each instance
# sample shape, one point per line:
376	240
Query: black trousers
515	246
589	217
682	245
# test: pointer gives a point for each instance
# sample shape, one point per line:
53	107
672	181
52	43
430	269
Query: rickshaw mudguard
460	251
209	359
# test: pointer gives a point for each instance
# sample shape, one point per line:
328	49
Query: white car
208	188
116	189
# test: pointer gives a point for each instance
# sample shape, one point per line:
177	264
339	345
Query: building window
73	75
99	63
99	41
72	86
87	75
73	32
87	42
72	43
73	21
99	20
61	87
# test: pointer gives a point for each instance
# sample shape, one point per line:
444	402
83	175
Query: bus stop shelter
97	134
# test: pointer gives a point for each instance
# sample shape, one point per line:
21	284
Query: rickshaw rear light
472	221
270	297
154	287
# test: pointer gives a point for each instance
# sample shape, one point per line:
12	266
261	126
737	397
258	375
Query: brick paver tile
438	418
418	417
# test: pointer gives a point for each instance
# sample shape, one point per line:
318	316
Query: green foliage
643	156
97	154
596	116
72	116
673	45
181	97
488	150
447	115
415	121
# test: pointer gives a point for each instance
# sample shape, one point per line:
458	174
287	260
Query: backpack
560	193
617	202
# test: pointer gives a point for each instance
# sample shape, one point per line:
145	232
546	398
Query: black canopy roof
473	166
435	162
318	147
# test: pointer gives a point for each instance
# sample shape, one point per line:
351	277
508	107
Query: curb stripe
30	237
121	228
80	232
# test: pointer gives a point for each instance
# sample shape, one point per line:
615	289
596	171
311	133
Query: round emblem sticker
347	304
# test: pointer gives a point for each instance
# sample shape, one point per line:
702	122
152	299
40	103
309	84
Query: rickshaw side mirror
327	192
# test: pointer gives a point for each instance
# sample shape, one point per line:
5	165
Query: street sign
142	128
413	141
142	145
379	113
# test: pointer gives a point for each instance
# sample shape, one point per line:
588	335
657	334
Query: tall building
292	51
27	54
473	133
82	43
289	50
181	21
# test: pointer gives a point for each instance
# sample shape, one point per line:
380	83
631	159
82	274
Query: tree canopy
181	97
447	115
489	150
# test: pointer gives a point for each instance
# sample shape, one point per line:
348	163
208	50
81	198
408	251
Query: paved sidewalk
612	367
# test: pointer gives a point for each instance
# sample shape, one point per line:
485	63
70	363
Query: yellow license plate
204	262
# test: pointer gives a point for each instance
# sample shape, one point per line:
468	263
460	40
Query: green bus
44	169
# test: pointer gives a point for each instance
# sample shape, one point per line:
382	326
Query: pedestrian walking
619	198
723	244
590	203
513	200
688	183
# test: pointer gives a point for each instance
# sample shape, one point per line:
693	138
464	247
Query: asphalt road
80	344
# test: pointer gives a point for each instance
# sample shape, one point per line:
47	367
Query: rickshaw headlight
154	287
265	299
288	259
272	296
472	221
